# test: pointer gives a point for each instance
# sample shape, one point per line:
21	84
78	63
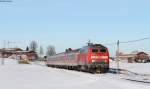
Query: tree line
33	46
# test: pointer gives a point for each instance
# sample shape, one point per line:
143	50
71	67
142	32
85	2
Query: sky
71	23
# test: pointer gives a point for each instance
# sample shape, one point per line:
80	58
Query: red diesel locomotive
93	58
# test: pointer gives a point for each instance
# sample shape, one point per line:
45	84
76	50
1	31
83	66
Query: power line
113	43
118	48
136	40
5	0
125	42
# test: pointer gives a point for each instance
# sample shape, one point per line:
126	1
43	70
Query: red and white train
93	58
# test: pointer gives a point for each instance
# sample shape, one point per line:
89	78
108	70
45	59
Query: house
7	52
134	57
17	53
127	57
26	55
142	57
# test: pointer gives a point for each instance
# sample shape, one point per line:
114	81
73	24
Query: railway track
132	76
38	63
145	82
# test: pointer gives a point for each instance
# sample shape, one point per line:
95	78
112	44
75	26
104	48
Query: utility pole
3	52
118	49
8	44
2	61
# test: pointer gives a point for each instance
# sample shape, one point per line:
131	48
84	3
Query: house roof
142	53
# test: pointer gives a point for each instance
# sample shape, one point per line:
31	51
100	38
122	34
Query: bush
23	62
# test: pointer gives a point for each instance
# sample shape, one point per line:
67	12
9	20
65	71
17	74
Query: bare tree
33	46
50	51
41	51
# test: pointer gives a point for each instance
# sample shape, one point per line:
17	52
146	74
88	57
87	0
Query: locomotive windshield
97	50
103	50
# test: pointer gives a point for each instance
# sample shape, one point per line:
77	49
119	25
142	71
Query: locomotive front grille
99	61
99	57
102	63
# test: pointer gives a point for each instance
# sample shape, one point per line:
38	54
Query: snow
134	71
142	68
32	76
9	61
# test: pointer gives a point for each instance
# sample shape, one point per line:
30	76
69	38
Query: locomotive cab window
103	50
95	51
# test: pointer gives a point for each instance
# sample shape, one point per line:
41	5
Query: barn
142	57
26	55
17	53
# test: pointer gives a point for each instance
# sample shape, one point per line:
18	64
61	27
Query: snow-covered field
142	68
32	76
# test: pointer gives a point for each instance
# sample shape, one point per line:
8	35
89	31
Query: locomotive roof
70	51
96	45
77	50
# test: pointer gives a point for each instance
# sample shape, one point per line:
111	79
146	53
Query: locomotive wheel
93	70
106	70
48	65
99	70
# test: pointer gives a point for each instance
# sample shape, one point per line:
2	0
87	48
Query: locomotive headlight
93	60
92	57
104	57
105	61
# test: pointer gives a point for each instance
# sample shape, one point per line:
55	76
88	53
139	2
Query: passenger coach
93	58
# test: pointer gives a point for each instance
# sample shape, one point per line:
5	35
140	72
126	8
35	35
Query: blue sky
70	23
